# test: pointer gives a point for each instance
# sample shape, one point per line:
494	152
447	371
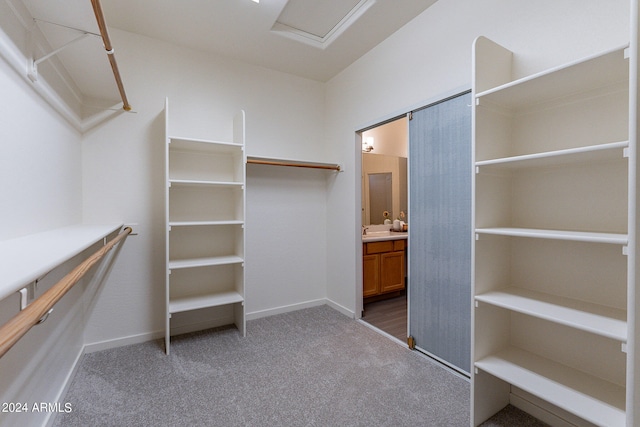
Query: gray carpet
313	367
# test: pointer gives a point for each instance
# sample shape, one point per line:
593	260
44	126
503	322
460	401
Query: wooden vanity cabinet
383	267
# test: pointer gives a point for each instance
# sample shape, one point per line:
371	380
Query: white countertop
381	236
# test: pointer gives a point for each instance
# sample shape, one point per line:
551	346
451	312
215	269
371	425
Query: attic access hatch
319	23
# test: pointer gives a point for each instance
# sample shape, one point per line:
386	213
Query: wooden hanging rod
97	9
293	163
19	325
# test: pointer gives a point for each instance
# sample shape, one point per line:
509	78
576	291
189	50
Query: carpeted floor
313	367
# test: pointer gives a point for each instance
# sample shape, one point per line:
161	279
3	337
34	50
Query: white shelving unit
551	281
205	214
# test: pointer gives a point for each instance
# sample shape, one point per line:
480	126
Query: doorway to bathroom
416	264
384	208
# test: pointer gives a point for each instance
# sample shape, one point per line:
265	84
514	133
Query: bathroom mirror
384	171
384	181
380	196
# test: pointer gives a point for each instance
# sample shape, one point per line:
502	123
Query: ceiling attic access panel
319	23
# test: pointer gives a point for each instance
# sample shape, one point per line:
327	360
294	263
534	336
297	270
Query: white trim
417	106
51	416
150	336
121	342
446	365
342	309
285	309
323	42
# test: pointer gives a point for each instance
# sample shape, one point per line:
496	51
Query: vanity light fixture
367	144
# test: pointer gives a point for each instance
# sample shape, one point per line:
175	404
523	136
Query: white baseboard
342	309
121	342
150	336
286	309
51	417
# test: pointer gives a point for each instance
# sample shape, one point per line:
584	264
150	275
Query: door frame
359	306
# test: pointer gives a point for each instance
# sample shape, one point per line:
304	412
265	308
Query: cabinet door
370	275
392	271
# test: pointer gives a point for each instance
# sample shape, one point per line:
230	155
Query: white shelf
204	262
204	222
580	76
593	153
204	183
30	257
589	397
597	319
195	302
193	144
577	236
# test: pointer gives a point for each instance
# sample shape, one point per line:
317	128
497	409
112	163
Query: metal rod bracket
27	294
32	72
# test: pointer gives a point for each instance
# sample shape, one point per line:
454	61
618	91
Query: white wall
40	171
123	178
286	238
391	139
39	162
431	56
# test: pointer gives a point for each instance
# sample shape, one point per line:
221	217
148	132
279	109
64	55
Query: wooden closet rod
19	325
293	164
97	9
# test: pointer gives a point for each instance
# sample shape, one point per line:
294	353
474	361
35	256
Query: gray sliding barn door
440	230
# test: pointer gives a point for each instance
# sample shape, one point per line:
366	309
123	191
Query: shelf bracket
625	250
27	294
624	347
32	72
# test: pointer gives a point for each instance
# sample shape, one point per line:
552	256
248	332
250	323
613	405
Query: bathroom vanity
383	263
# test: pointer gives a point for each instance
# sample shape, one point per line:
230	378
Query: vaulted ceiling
276	34
315	39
